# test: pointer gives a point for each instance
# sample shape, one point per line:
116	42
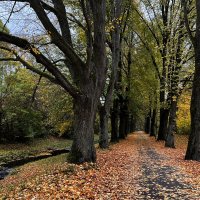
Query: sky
22	22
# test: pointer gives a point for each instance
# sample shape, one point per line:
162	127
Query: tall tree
88	74
115	49
118	121
175	66
193	150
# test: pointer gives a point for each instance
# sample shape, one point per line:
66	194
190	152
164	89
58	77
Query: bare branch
192	38
7	59
40	58
88	30
62	19
11	12
26	64
36	87
72	18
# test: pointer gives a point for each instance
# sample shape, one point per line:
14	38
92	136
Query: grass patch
17	151
9	152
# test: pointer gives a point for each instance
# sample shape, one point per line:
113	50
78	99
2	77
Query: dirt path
159	179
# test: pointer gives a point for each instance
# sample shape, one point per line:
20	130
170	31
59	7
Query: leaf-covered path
161	179
136	168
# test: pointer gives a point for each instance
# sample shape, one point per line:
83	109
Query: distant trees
29	109
171	56
19	119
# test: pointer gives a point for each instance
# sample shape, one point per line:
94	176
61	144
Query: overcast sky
22	22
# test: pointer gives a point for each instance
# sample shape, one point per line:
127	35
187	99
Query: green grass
14	151
23	174
10	152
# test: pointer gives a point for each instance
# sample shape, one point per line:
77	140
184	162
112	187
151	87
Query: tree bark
161	134
171	126
83	149
163	124
148	123
193	149
115	121
104	143
132	124
1	125
122	122
126	117
153	121
91	85
122	126
103	137
165	36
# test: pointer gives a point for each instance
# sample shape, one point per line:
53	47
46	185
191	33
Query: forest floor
136	168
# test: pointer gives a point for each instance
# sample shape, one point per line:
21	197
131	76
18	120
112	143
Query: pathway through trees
135	168
161	180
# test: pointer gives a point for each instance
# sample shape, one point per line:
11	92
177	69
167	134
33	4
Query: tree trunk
153	121
163	124
126	117
103	137
126	124
193	150
1	125
171	126
104	143
148	123
83	149
91	86
161	135
128	128
163	112
132	124
115	121
122	122
122	125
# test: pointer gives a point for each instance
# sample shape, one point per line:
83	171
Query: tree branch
147	25
40	58
76	63
7	59
151	54
75	20
62	19
26	64
185	11
88	30
11	12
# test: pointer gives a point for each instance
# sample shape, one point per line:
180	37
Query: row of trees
117	56
177	46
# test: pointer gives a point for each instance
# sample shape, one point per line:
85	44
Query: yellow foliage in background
64	127
183	114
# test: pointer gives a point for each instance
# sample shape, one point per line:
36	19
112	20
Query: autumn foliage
118	173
